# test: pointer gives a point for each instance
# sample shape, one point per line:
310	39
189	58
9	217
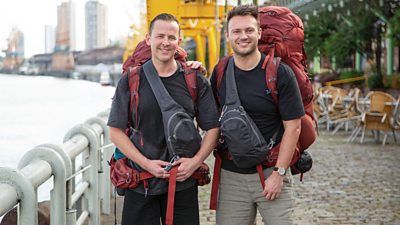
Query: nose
243	35
165	41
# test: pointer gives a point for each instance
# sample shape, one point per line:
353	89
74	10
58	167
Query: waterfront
36	110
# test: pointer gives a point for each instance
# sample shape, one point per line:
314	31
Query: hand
197	65
273	186
186	167
156	167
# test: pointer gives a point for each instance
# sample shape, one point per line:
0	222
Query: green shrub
375	82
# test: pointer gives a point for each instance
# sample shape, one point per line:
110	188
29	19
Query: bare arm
189	165
124	144
274	183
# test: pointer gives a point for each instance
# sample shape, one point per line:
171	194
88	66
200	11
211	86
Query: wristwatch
281	171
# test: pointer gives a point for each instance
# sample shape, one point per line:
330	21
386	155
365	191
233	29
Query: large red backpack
283	36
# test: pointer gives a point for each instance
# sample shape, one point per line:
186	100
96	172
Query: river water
37	109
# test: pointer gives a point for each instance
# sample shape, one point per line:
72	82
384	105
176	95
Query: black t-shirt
150	123
253	94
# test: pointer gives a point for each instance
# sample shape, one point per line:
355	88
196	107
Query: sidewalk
350	183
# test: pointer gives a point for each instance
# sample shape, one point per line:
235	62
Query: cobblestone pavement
350	183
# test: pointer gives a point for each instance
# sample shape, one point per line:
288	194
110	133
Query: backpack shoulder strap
271	65
134	81
191	81
220	70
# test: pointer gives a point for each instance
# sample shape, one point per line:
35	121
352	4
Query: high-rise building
96	24
15	50
50	38
66	28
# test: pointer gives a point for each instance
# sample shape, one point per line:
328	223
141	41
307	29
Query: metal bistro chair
378	117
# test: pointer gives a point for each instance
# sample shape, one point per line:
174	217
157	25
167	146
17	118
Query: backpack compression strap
221	66
191	81
270	66
134	81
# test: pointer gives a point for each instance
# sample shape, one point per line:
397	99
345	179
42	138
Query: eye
250	30
172	38
236	31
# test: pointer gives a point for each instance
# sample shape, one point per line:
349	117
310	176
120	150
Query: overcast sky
31	16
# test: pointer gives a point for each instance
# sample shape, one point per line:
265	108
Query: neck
165	69
247	62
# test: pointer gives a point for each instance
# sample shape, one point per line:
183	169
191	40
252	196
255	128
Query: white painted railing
83	155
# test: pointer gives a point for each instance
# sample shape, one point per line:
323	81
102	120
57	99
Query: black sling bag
182	137
244	140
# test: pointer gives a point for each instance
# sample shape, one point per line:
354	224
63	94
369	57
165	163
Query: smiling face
164	39
243	34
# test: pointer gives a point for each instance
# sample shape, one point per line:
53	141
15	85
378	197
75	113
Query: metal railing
83	154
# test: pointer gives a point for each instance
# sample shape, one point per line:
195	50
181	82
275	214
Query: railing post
68	170
25	192
105	186
92	177
58	201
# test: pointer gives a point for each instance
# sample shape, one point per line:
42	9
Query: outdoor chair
335	104
378	117
395	120
351	113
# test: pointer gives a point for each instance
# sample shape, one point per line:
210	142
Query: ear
179	40
147	38
226	34
259	33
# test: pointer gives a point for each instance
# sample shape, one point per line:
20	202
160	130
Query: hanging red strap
261	174
169	220
215	182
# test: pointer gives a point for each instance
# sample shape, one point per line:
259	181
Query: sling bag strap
164	99
232	96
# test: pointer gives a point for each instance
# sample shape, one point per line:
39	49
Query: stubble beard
245	52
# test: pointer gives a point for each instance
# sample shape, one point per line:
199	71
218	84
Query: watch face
281	171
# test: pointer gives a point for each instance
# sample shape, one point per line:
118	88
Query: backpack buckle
270	144
172	161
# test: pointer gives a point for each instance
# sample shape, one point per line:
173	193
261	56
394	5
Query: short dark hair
164	17
243	10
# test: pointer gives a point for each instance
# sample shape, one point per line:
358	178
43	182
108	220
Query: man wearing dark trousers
149	208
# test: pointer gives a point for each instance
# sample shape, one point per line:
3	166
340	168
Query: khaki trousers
240	195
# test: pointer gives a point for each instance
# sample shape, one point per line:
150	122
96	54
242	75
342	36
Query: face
164	40
243	35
